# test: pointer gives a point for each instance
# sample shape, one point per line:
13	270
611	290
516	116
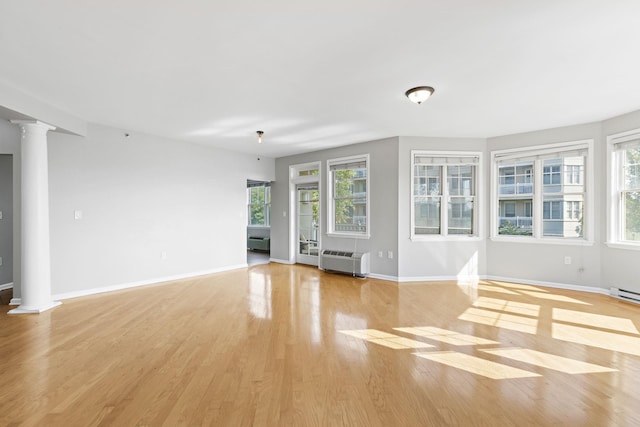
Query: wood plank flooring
277	345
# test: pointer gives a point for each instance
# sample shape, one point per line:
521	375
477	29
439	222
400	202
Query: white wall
6	222
619	265
142	196
544	262
431	260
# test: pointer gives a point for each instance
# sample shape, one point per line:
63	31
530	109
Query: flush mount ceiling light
419	94
260	133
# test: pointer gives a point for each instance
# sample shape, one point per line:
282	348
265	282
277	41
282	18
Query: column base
31	310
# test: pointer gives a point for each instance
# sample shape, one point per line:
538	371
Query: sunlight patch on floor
385	339
549	361
515	286
475	365
443	335
500	320
497	289
554	297
595	338
619	324
508	306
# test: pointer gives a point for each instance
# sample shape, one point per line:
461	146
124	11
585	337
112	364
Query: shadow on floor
5	296
257	257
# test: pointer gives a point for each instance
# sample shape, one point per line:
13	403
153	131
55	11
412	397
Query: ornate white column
35	255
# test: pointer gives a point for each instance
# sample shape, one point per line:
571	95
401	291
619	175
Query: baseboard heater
354	263
625	294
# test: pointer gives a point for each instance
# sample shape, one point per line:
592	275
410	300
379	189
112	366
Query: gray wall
383	187
10	144
619	265
448	259
141	197
6	222
545	262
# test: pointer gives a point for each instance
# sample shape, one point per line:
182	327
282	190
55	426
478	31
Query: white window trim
478	206
330	204
294	172
265	226
614	214
538	238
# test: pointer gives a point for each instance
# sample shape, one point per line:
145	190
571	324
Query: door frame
294	180
302	258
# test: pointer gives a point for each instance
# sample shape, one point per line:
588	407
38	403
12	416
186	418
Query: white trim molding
6	286
113	288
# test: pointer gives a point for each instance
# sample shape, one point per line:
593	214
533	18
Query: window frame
615	221
331	229
537	154
266	206
454	158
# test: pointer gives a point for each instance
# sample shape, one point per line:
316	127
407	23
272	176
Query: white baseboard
591	289
112	288
383	277
460	280
15	301
6	286
281	261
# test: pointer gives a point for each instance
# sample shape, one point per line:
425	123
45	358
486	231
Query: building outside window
349	196
540	192
444	191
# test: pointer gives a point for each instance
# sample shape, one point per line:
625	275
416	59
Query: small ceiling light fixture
260	133
419	94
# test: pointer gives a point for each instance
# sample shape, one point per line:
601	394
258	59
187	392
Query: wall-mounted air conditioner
354	263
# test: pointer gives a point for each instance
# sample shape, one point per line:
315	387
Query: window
259	203
624	188
540	192
349	196
444	187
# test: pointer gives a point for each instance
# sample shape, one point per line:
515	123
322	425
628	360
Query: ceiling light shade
260	133
419	94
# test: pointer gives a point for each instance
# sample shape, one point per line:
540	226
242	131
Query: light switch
390	254
0	214
77	214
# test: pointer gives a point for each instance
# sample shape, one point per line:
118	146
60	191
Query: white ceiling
321	73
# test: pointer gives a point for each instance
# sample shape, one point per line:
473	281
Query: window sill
620	245
540	241
349	235
439	238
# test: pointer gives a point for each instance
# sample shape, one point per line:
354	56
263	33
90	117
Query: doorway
6	223
308	223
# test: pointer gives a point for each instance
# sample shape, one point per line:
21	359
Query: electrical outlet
379	254
0	214
77	214
390	254
163	255
567	260
0	260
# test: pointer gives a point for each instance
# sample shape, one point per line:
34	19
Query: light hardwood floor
291	345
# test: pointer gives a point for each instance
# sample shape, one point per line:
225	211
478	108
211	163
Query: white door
308	223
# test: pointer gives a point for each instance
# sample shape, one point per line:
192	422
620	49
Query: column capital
38	123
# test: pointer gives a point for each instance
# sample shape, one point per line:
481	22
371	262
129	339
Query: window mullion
444	201
538	203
